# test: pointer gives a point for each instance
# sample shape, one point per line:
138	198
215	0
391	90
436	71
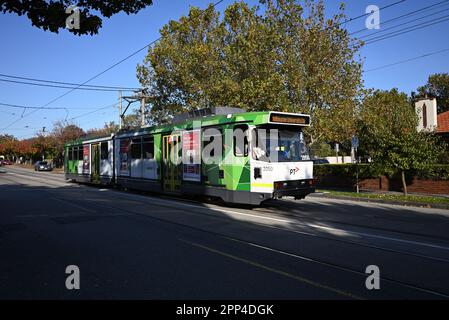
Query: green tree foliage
132	121
279	55
321	150
388	129
51	15
437	87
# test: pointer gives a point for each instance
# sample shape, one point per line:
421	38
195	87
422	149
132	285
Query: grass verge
413	199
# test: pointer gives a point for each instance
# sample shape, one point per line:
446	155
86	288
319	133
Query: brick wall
414	185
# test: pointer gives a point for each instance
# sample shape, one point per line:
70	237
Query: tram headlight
280	185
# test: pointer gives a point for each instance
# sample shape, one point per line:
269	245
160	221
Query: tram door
95	162
171	161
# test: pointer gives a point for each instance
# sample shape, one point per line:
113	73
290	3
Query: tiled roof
443	122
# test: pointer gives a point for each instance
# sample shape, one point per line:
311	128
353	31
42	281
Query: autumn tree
62	133
7	145
52	15
279	55
108	129
437	87
387	128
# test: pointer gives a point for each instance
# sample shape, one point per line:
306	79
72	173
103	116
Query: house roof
443	122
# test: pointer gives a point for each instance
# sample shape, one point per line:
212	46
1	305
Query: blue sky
30	52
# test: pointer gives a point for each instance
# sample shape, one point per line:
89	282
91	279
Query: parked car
6	162
42	166
320	161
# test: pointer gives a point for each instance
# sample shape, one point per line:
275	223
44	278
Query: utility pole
142	109
43	151
139	96
120	121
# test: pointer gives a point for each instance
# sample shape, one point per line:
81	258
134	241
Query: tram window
80	153
136	150
69	153
148	148
104	151
240	145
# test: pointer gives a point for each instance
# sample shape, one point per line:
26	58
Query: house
443	125
429	120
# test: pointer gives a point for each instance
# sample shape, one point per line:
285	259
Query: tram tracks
195	210
294	216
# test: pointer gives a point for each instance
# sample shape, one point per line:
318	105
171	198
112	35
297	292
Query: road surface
148	246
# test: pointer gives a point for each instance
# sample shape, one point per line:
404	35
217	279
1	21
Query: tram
240	157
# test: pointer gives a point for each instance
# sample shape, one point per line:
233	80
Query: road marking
380	237
75	205
280	272
326	228
333	229
39	179
335	266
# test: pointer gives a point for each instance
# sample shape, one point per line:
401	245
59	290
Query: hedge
366	171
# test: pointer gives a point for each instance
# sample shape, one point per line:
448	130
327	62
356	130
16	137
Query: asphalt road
146	246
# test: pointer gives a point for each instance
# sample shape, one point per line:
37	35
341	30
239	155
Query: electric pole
142	109
140	96
120	121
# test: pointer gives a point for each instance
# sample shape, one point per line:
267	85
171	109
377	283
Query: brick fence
414	185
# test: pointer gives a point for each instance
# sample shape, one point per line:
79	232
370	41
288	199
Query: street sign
355	142
337	147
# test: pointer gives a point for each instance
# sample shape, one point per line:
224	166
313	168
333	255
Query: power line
369	13
406	30
405	23
69	83
58	86
407	60
45	108
101	73
96	110
403	16
11	113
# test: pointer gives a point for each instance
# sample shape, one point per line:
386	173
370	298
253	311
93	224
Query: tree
388	128
62	132
285	57
51	15
132	121
321	150
107	130
7	145
437	87
6	137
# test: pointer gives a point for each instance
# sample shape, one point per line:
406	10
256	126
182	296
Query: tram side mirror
257	173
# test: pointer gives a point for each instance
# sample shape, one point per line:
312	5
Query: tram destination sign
289	119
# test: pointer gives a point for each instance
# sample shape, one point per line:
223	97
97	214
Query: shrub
346	170
366	171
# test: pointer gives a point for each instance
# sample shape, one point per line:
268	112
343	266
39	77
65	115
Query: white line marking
349	232
425	244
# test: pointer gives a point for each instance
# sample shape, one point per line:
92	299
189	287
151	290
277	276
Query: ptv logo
293	171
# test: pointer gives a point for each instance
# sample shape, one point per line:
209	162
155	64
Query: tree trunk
404	184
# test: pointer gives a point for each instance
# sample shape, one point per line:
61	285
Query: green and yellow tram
240	157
